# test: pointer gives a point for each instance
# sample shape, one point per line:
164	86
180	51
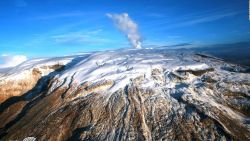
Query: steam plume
128	27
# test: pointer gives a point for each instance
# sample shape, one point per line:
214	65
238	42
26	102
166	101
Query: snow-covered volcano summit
119	66
137	94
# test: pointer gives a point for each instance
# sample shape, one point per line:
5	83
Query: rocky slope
145	94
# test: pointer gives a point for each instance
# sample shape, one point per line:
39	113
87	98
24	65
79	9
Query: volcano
127	94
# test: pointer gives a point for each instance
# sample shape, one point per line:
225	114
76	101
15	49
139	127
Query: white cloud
209	18
194	18
11	61
127	26
61	15
81	37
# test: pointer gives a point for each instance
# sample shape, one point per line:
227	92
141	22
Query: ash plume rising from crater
126	25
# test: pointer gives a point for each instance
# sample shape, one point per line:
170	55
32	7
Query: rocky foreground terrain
145	94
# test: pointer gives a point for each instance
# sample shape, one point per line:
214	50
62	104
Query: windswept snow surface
120	66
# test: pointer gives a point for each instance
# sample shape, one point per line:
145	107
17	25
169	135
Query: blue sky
60	27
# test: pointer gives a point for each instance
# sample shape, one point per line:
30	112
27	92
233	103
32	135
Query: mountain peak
135	94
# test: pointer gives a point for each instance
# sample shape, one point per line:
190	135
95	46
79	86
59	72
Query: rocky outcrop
17	86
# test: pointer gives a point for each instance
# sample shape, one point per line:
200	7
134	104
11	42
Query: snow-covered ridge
23	70
120	66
